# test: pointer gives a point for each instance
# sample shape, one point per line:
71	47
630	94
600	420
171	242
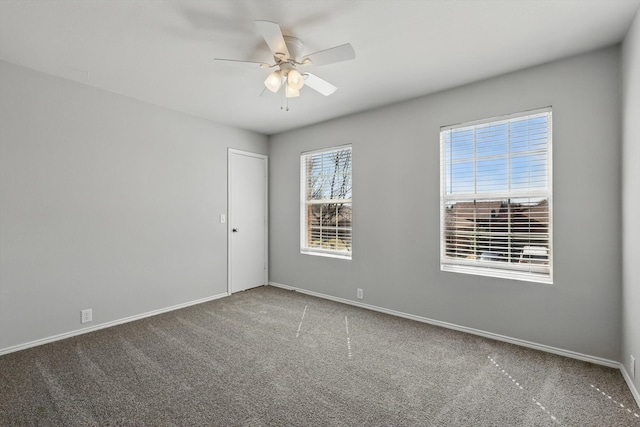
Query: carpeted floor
270	357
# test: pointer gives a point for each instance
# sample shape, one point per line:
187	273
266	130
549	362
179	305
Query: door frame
231	152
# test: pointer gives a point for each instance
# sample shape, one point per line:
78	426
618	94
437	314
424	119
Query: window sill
326	254
502	274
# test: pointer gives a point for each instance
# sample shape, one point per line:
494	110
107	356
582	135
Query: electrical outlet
632	367
86	316
359	293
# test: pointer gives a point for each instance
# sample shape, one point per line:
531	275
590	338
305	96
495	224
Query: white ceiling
162	51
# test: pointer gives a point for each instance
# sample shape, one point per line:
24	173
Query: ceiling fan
287	56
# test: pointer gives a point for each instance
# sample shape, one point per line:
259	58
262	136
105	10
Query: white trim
328	149
513	270
77	332
304	250
524	274
629	381
503	118
326	253
473	331
264	157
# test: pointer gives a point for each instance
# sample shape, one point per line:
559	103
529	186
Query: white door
247	220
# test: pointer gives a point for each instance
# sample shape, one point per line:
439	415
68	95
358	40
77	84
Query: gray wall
396	209
105	203
631	199
112	204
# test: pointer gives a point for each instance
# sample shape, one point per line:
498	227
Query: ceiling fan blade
318	84
240	61
273	36
340	53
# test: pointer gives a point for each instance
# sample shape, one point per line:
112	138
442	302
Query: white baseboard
632	386
497	337
106	325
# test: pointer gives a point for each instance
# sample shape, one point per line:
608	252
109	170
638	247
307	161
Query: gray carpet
270	357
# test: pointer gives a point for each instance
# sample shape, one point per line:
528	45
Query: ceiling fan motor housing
295	46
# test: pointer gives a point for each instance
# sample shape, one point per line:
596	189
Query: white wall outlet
86	316
632	367
359	293
223	218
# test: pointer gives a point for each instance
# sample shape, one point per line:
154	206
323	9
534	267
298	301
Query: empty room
445	199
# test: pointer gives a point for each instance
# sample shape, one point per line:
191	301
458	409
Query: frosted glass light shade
274	81
294	79
290	91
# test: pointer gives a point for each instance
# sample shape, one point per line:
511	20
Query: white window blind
326	191
496	197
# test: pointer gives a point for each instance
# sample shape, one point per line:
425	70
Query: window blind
326	202
496	197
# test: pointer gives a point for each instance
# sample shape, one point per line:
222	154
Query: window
496	197
325	214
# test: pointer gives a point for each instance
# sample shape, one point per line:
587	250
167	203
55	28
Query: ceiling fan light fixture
294	79
274	81
286	51
291	92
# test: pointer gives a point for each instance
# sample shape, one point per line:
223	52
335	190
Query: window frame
532	272
304	202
